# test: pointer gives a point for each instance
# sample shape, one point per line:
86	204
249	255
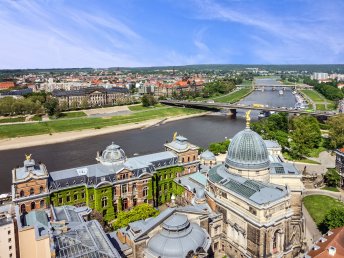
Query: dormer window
21	193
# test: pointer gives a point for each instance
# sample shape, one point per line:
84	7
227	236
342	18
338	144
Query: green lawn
320	107
36	118
332	189
287	157
72	114
12	119
319	205
235	96
313	95
139	107
64	125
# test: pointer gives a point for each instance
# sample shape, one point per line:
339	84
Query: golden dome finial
174	136
248	119
28	156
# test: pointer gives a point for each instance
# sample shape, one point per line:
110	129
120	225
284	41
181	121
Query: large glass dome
247	150
112	154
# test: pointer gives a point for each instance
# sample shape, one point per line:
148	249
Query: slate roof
97	173
251	190
30	166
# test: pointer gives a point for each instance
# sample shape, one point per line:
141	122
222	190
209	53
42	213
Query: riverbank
43	139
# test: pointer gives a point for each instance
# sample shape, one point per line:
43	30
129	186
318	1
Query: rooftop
255	191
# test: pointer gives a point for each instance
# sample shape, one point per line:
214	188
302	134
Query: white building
7	233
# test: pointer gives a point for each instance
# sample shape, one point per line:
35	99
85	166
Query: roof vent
316	247
322	240
332	251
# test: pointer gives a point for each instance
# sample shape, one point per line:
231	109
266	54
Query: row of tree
328	89
300	135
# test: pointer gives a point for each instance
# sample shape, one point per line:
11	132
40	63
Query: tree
52	106
148	100
142	211
332	177
84	103
305	135
336	131
64	106
334	218
74	105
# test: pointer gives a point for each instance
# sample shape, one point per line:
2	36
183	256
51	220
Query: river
199	130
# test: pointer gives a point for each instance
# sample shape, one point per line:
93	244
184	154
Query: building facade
93	97
113	184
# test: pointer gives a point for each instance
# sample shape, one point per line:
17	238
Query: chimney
332	251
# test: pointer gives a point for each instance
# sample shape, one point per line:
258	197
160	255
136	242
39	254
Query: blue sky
111	33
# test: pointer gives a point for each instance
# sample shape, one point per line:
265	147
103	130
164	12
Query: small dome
207	155
177	238
247	150
112	154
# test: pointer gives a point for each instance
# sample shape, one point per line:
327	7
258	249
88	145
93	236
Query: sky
132	33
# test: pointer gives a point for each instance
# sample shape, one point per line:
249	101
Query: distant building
320	76
329	245
6	85
340	165
92	96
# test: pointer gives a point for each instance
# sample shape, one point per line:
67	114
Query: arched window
41	189
182	160
104	201
22	208
41	204
33	205
125	204
194	157
145	191
276	242
32	191
188	159
21	193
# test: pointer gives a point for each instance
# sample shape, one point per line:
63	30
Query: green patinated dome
247	150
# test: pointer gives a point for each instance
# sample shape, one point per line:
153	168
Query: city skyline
59	34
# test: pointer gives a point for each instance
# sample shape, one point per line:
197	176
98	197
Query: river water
199	130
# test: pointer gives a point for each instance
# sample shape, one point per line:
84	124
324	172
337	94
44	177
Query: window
82	195
9	232
188	159
68	198
33	205
10	248
21	193
41	204
182	160
32	191
75	196
134	202
22	208
134	187
9	240
124	189
145	191
104	201
216	245
41	189
104	213
125	203
91	197
60	200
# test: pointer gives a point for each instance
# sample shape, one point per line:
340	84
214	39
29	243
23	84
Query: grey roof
192	181
177	238
30	166
255	191
207	155
180	144
112	154
97	173
247	150
271	144
37	219
283	168
87	239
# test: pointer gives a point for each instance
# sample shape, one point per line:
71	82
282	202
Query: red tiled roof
6	85
336	239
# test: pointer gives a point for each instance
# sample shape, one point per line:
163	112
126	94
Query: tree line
300	135
328	89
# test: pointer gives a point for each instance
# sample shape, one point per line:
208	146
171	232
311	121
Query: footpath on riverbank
36	140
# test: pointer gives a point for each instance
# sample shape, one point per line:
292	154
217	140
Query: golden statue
174	136
248	119
28	156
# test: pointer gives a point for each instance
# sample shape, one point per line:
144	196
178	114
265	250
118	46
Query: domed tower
112	155
248	155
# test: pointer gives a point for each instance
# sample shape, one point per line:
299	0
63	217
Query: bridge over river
234	107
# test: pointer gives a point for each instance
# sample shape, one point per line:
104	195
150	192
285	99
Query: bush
142	211
334	219
332	178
